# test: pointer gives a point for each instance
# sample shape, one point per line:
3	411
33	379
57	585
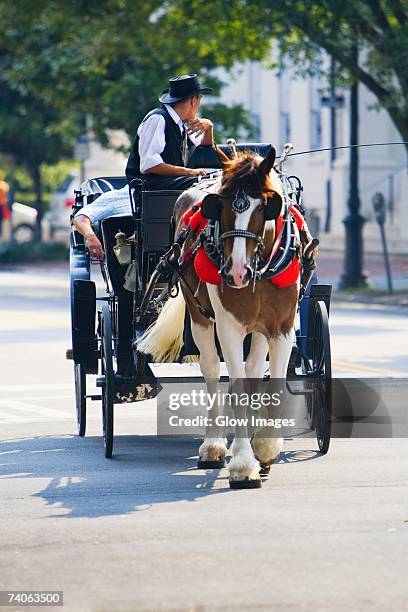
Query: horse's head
249	201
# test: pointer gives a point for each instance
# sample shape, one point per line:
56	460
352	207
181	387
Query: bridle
214	242
240	204
239	233
285	246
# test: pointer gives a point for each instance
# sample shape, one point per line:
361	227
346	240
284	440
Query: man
164	142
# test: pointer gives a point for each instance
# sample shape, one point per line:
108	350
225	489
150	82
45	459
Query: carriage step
69	354
93	397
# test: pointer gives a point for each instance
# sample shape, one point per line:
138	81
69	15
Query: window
315	116
284	108
284	127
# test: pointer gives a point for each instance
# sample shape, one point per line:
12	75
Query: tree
34	129
303	29
34	134
107	59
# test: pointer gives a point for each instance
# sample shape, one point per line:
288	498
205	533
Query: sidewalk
330	269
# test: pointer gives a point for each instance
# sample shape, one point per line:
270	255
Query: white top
152	139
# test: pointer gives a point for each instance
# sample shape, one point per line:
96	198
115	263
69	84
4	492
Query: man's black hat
181	88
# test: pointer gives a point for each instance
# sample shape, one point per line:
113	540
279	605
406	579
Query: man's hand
196	171
198	126
94	246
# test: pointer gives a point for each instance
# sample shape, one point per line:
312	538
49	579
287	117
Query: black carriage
105	327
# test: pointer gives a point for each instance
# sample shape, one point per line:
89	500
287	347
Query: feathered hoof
265	468
205	464
211	454
266	450
247	483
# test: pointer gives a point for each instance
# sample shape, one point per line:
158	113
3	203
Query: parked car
61	201
23	222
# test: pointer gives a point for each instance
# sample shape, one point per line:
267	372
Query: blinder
273	207
211	207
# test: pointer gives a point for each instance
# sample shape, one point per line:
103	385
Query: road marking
43	397
29	320
36	387
13	404
354	367
5	420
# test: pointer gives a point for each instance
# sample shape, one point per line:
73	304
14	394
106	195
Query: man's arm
151	144
170	170
83	225
196	127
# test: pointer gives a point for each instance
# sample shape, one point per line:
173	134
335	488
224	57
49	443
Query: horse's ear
266	164
222	157
273	207
211	207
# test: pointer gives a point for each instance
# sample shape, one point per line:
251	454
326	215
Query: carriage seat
101	184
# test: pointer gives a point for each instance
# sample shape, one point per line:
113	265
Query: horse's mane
242	173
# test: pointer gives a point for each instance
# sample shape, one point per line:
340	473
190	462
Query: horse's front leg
213	450
243	467
266	447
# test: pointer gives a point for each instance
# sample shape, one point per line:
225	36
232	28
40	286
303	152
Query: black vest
172	153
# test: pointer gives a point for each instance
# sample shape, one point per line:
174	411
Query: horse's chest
268	310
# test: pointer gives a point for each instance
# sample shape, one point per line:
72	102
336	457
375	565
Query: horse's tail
163	340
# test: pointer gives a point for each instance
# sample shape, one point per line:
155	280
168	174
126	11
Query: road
147	530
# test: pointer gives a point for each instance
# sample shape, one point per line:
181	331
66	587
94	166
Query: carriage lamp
122	249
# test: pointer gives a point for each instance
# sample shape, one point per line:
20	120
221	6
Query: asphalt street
147	530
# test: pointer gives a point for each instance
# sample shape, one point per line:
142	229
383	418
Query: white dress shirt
152	140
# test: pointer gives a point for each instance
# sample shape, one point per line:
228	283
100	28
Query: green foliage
246	29
109	59
29	252
21	183
229	122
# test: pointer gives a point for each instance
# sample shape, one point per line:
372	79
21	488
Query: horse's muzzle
236	277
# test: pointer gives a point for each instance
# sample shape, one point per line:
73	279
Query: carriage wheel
322	374
80	397
108	386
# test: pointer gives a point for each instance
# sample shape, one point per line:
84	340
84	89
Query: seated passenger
164	143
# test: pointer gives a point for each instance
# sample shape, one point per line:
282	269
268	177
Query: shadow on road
82	483
299	455
145	471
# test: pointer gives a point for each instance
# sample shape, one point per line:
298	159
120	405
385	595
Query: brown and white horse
239	308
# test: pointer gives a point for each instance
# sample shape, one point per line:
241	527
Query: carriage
139	272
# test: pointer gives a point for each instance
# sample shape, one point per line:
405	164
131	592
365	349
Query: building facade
290	109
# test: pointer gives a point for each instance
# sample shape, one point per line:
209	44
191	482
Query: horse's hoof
265	469
203	464
248	483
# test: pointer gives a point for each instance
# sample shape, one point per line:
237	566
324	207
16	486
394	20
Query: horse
246	203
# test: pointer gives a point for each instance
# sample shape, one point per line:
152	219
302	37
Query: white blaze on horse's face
239	250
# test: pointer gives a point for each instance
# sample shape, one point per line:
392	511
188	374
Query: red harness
208	272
